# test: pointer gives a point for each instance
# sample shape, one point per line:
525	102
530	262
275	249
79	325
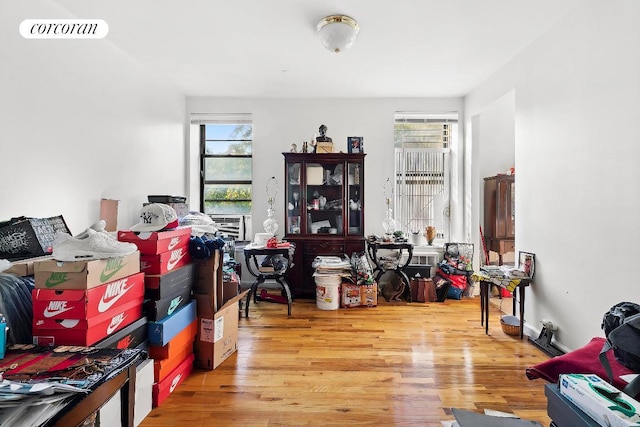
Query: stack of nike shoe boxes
169	276
81	303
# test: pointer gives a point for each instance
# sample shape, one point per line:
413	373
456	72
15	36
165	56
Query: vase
430	234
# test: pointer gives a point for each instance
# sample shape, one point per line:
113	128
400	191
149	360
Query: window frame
203	160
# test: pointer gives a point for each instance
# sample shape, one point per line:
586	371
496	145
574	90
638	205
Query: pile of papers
332	266
25	404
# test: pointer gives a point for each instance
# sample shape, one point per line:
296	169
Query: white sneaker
90	245
96	226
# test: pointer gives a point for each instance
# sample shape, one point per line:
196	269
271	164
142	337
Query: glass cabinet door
294	198
324	198
354	196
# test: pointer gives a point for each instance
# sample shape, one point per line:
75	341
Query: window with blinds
422	170
226	147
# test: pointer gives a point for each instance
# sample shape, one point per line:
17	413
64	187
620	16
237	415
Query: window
226	165
422	170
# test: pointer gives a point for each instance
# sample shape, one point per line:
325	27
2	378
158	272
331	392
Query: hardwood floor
397	364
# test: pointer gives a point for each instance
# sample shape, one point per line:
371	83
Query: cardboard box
85	332
53	274
165	262
600	400
156	242
158	310
164	388
173	347
208	274
143	391
25	267
353	295
161	286
217	337
162	331
84	304
131	336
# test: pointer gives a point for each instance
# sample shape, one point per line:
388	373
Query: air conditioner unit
236	226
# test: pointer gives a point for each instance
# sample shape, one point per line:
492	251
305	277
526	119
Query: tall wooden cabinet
324	205
499	214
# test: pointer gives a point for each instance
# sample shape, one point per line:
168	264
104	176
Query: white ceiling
269	48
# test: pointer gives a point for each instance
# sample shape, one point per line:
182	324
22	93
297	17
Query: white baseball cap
156	217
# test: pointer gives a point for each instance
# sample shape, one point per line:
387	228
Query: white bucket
328	292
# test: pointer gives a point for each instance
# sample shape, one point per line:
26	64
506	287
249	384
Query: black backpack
621	326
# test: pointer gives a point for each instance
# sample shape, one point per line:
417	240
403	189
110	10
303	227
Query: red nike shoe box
85	332
156	242
165	262
163	367
54	274
81	304
161	390
160	286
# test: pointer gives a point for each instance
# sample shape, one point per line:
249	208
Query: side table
398	268
280	276
516	285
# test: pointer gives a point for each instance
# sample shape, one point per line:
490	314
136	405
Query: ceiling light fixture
337	32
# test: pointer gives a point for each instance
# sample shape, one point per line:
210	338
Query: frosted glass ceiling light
337	32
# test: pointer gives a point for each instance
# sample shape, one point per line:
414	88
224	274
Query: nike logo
173	243
55	308
125	342
56	279
112	294
113	266
175	258
175	382
174	304
115	323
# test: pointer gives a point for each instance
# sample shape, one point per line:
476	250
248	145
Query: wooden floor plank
404	364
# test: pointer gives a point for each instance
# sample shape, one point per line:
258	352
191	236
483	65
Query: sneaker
96	226
90	244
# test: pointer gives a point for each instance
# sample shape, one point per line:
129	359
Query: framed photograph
355	144
527	263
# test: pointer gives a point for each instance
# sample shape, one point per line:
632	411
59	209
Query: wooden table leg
521	295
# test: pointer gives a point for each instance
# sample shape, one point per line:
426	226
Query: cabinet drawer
324	248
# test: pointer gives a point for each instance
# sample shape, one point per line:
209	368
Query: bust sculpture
323	137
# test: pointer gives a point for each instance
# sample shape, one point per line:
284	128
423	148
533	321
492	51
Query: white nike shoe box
54	274
165	262
144	391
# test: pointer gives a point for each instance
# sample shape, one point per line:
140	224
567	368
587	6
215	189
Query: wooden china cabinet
499	214
324	205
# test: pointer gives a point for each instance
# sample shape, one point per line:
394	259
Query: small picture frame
355	144
527	263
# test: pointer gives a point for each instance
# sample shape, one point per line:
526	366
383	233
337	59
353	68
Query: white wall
577	94
82	121
280	122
